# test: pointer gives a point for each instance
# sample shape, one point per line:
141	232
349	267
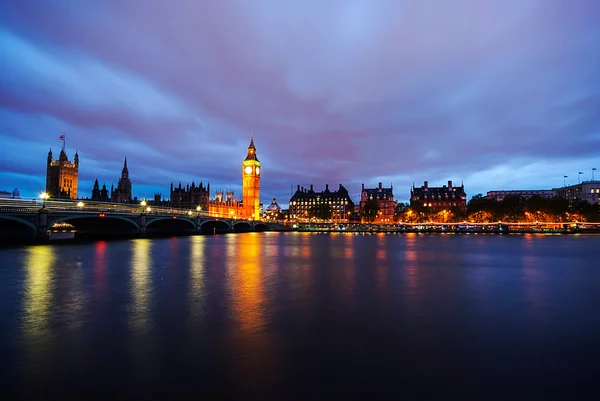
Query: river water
303	316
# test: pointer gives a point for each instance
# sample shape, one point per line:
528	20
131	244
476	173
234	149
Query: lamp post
44	196
80	205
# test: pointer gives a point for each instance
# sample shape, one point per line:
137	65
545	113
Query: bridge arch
94	224
16	227
215	227
170	225
260	227
242	227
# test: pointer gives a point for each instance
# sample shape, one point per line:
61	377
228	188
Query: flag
594	169
62	137
580	172
566	176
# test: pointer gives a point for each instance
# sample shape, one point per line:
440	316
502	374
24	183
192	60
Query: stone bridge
40	223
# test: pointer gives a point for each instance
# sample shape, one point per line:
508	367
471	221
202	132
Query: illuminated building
62	176
444	197
251	184
385	198
584	191
273	210
523	193
305	202
226	206
123	192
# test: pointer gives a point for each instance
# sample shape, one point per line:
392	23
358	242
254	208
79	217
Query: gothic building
385	198
62	176
444	197
226	205
122	194
190	196
305	201
251	183
100	195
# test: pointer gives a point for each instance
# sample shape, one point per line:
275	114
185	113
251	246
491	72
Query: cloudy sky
498	94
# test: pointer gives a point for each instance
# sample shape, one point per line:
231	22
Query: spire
251	155
125	171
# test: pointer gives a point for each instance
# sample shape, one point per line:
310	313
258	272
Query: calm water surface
303	316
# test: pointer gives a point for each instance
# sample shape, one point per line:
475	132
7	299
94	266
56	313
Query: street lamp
80	204
44	196
143	203
148	209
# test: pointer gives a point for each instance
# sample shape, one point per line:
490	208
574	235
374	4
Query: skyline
497	95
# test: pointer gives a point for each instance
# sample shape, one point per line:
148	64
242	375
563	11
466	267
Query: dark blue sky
498	94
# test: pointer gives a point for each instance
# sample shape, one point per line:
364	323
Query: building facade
584	191
62	176
190	196
251	184
100	195
439	198
524	193
385	198
304	202
273	210
122	194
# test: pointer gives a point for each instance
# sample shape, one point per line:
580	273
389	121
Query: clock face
257	170
248	170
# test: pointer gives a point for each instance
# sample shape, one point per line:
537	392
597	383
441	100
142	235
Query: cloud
344	92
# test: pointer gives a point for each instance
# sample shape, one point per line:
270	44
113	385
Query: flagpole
593	169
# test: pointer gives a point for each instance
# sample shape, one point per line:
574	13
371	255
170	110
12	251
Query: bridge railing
21	205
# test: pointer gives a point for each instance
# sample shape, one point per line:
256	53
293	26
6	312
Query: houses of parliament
62	183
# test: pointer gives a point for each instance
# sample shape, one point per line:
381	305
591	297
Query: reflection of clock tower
251	184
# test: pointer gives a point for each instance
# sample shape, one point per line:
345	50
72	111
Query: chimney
311	187
298	188
326	187
380	185
449	183
426	185
363	187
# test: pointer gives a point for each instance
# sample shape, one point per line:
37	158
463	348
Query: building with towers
122	194
100	195
190	196
385	200
436	198
251	184
62	175
305	203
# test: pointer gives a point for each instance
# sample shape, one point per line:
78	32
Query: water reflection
141	290
38	292
100	268
196	291
381	268
413	296
252	345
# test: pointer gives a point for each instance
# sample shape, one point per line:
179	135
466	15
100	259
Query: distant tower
123	192
62	176
251	183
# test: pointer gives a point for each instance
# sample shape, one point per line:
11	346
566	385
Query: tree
400	211
370	210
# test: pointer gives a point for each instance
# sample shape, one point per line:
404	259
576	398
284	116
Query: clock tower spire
251	183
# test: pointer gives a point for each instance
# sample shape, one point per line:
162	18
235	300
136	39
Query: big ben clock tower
251	183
